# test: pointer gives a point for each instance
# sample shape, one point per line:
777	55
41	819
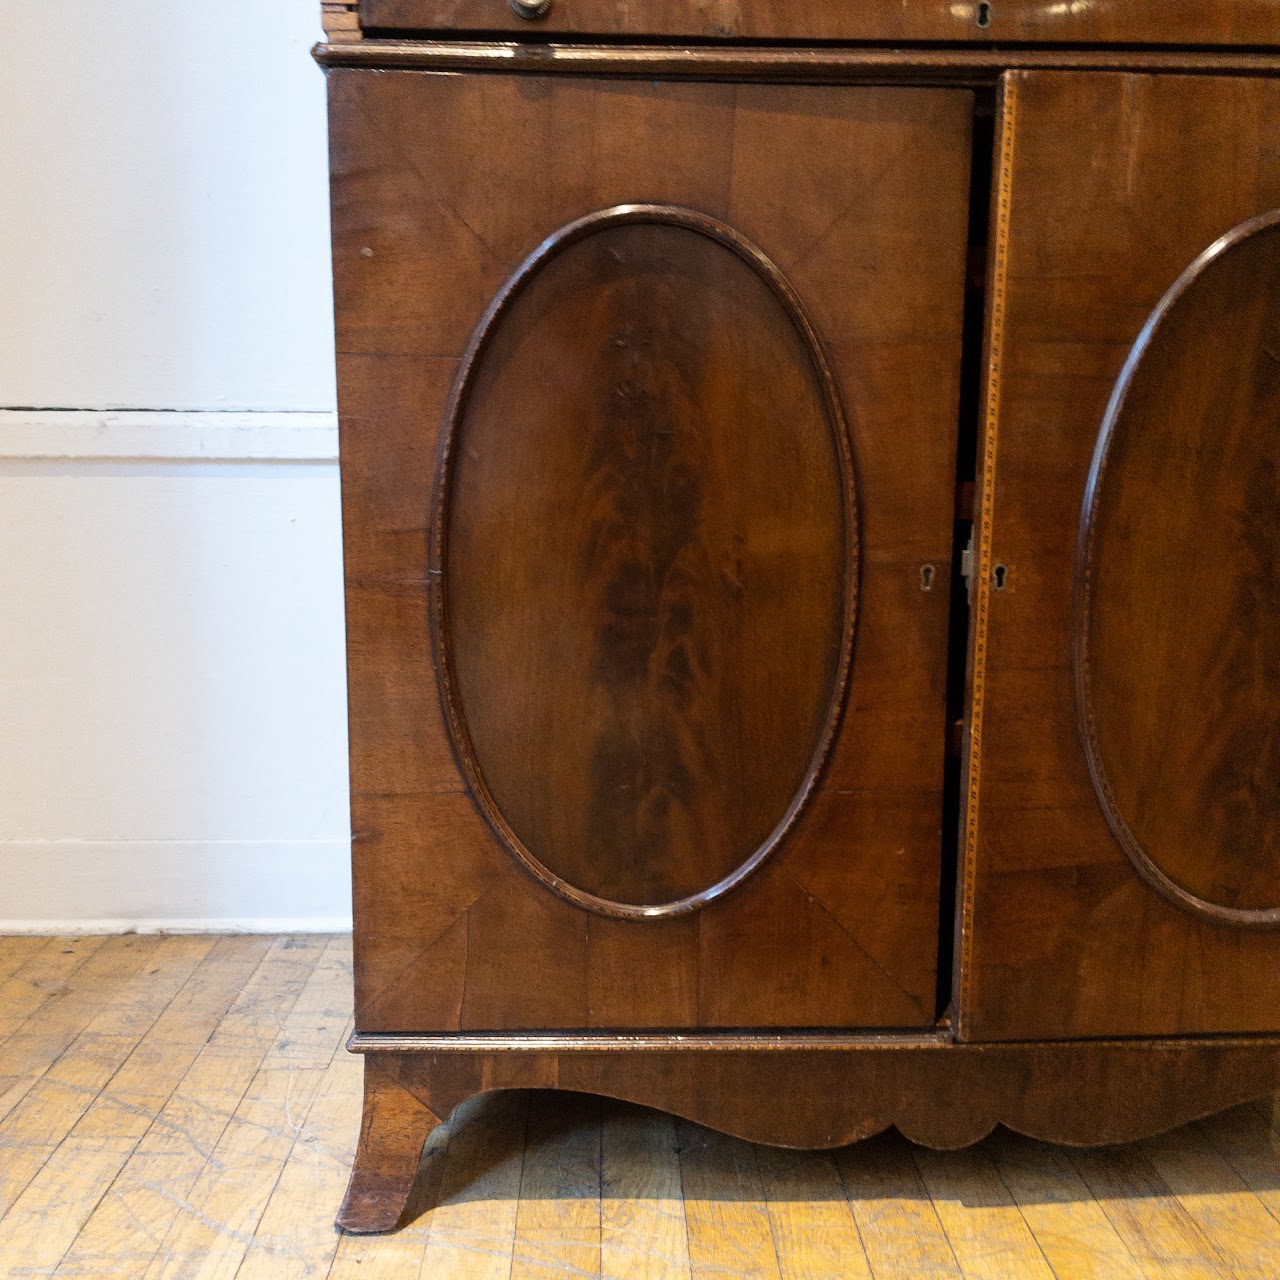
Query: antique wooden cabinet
811	489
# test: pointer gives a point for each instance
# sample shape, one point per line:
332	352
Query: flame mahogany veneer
691	761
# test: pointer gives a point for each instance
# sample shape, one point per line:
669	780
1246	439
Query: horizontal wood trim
940	1094
816	1042
620	1042
866	65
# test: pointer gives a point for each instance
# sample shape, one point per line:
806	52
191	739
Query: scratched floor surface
183	1107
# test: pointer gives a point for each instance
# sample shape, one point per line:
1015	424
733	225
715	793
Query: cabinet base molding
815	1092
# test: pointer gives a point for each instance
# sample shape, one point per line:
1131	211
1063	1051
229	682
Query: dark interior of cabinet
967	443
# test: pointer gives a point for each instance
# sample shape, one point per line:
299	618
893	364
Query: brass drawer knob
530	8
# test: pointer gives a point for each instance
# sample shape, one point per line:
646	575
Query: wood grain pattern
394	1127
1116	184
988	1234
43	1004
217	1218
1238	1227
1071	1228
473	1228
937	1092
1155	1226
815	1233
1177	627
558	1224
42	976
293	1237
644	561
15	952
599	553
1176	22
896	1219
44	1102
39	1225
389	1257
725	1214
421	246
340	20
128	1224
643	1224
507	1198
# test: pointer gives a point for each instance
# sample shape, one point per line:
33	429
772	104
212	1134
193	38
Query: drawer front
647	545
1225	22
1123	861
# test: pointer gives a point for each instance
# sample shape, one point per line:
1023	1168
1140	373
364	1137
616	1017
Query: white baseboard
174	886
171	643
251	924
168	435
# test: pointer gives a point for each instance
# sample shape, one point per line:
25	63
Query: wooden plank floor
183	1107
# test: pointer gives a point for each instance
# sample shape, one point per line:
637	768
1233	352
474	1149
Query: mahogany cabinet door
648	397
1122	871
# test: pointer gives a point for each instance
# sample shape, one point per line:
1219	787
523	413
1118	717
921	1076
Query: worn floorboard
183	1107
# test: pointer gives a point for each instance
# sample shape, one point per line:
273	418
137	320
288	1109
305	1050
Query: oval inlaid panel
645	560
1178	588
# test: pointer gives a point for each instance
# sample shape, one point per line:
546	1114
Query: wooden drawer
1170	22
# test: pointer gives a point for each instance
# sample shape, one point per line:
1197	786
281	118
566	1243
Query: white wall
164	206
172	718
